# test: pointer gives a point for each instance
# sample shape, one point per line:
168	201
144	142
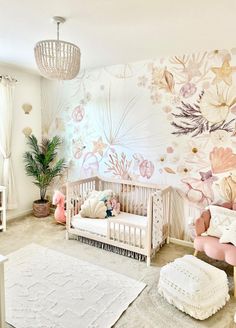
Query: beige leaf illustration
169	80
169	170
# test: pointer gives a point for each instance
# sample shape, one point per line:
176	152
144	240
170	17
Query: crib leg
67	235
148	261
234	281
195	253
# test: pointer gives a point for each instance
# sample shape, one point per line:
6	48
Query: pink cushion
214	249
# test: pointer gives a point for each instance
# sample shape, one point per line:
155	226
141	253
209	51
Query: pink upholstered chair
211	245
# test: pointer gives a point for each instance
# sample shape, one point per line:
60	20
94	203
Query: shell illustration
27	108
78	113
222	160
163	79
188	90
146	169
27	131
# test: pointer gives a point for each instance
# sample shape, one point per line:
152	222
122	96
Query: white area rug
47	289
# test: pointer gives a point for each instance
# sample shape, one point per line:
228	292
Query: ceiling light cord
58	24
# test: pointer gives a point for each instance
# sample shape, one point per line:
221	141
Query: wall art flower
216	102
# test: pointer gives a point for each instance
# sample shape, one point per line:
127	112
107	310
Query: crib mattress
99	226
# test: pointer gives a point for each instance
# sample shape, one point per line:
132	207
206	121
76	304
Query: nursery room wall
166	121
27	91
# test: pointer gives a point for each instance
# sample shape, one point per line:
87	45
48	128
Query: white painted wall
27	91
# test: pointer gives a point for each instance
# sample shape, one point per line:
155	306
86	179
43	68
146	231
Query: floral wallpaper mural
167	121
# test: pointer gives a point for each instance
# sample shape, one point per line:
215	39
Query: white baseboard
18	215
181	242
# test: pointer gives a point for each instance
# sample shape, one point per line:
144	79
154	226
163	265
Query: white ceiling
116	31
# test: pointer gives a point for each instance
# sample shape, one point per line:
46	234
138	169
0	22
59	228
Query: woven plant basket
41	209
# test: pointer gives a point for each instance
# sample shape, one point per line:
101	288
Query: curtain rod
8	77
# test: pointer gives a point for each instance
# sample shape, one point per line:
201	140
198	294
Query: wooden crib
150	202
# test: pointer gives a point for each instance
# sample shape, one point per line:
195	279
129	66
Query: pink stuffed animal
59	200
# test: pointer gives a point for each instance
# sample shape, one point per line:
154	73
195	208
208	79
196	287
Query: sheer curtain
7	86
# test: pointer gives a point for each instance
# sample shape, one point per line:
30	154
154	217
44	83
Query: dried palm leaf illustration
122	126
53	103
122	71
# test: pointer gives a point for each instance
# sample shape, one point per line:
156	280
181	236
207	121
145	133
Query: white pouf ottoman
194	287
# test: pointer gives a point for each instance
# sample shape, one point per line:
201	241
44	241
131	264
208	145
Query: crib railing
126	233
77	192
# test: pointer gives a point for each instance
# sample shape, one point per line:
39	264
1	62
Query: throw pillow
93	208
229	234
220	218
100	195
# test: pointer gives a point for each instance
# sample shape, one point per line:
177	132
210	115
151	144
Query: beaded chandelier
56	59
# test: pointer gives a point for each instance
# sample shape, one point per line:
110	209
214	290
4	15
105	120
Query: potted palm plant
42	165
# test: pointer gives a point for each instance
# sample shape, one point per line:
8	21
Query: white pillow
229	234
100	195
220	217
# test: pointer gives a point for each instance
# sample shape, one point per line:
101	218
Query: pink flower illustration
146	169
188	90
169	150
78	113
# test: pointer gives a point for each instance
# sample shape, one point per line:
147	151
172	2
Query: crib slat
127	199
123	202
140	200
135	200
114	228
131	199
144	200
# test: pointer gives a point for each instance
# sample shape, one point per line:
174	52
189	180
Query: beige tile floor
149	310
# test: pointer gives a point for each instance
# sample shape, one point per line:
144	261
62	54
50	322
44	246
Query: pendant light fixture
57	59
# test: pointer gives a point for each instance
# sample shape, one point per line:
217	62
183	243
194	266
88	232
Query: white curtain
7	86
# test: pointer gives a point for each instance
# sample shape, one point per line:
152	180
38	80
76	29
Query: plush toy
115	206
108	208
59	200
